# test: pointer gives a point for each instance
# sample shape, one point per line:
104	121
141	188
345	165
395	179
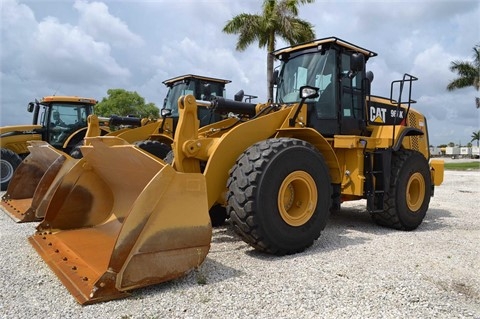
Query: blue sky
87	47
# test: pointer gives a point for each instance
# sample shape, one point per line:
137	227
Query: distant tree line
126	103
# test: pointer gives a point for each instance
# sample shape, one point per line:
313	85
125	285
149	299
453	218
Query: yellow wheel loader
35	174
121	218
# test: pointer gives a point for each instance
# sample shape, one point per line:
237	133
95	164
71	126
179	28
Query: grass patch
464	166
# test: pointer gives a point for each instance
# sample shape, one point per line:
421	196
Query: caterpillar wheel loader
122	219
62	123
34	175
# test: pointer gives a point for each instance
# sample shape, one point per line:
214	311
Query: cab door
352	113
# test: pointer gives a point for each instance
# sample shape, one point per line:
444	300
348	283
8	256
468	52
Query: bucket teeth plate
64	252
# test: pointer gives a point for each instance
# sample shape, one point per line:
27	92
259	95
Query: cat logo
377	114
386	115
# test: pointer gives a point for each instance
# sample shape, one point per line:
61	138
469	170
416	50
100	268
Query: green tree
468	73
476	137
123	103
278	18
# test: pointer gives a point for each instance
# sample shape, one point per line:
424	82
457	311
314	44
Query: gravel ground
355	270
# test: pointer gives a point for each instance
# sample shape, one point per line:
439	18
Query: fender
313	137
408	131
19	129
79	135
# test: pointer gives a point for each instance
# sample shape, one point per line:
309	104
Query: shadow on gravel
349	227
434	220
360	220
353	226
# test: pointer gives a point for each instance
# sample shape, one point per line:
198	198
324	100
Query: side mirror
30	107
308	92
165	113
357	64
275	77
369	76
239	96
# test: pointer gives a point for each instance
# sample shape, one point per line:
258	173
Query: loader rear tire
406	202
279	195
155	148
9	162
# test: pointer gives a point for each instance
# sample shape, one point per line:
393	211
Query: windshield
197	88
313	69
174	92
67	115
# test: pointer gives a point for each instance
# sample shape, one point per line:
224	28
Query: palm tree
476	137
279	18
468	72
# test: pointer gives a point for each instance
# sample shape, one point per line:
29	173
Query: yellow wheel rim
297	198
415	192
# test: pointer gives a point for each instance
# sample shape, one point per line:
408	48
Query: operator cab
62	116
203	88
337	68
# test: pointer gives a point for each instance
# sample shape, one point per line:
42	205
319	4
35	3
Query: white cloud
64	53
96	20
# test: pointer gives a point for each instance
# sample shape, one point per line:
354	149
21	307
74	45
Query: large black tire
406	202
279	195
155	148
9	162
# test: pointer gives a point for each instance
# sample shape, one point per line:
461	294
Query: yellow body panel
351	165
18	143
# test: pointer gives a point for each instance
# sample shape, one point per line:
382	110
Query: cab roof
68	99
319	42
171	81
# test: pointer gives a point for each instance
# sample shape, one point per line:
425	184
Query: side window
325	105
44	117
351	91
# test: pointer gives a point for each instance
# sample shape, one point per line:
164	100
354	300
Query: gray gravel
355	270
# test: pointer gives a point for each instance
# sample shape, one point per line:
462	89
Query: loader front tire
406	202
9	162
279	195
